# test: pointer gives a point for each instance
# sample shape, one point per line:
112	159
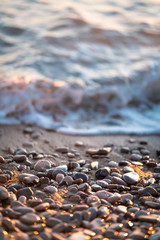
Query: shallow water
79	66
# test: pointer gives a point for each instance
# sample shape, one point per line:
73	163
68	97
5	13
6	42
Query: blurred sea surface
81	66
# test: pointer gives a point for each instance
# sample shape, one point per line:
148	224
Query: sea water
81	66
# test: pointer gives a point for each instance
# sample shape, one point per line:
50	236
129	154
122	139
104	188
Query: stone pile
80	199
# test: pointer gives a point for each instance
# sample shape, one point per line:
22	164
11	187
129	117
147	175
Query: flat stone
79	236
131	178
50	189
56	236
96	187
3	193
8	224
155	236
42	165
79	144
52	221
137	234
62	149
153	218
136	157
119	181
125	150
126	196
152	204
102	173
114	198
64	217
27	192
82	176
102	183
128	169
20	158
30	179
24	210
113	164
147	190
121	209
62	167
75	198
42	207
103	194
30	218
123	163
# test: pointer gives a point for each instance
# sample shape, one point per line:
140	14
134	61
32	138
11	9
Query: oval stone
131	177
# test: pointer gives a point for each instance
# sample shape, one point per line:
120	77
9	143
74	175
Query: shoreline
41	140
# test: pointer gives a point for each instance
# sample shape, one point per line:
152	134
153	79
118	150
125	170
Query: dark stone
27	192
82	176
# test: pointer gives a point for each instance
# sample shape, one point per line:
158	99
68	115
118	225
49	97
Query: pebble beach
55	186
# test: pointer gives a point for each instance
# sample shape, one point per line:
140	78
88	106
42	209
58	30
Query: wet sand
40	140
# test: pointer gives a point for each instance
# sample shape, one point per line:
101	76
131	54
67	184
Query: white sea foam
81	68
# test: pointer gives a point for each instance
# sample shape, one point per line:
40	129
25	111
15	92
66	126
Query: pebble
52	221
62	167
102	173
3	193
42	165
131	178
30	218
20	158
153	218
125	150
59	177
136	157
119	181
42	207
27	192
113	164
82	176
3	178
78	235
50	189
103	194
62	149
123	163
30	179
79	144
155	236
114	198
2	160
128	169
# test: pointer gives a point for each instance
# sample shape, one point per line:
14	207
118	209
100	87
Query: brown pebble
3	193
30	218
42	207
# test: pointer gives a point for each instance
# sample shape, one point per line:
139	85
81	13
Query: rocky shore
88	188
